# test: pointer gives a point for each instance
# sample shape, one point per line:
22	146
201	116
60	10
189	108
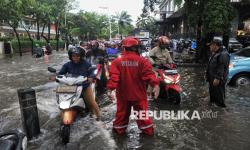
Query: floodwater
217	128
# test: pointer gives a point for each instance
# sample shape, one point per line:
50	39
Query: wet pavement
218	129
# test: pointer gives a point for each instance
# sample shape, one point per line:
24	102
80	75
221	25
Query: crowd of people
132	73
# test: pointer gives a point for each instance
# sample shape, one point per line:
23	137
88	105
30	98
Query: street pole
65	22
110	38
110	30
118	30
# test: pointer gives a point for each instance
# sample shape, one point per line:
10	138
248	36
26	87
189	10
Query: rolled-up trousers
122	116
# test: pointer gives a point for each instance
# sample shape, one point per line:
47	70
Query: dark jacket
80	69
218	66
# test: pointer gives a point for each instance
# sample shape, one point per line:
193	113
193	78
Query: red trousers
122	116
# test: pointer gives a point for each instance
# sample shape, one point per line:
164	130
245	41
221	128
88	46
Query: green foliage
6	39
26	44
148	23
90	25
124	21
216	16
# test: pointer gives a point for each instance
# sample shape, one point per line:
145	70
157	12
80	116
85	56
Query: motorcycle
70	101
101	75
13	140
169	79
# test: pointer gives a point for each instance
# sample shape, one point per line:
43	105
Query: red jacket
129	76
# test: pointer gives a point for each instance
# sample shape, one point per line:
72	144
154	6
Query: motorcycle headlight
110	63
95	72
119	56
168	80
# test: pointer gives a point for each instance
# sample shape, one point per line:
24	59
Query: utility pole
110	30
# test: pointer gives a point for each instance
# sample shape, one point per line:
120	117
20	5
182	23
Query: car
244	39
234	45
239	68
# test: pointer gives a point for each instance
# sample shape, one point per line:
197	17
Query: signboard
142	35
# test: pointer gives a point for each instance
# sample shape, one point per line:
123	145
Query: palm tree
124	20
143	21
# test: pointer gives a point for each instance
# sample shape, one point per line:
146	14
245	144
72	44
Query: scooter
70	101
13	140
169	79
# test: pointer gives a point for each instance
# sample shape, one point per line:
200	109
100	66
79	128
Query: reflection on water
229	130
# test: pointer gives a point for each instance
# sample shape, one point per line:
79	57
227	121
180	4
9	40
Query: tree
11	12
207	17
124	22
87	25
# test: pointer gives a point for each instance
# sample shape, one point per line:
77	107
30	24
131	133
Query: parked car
234	45
244	39
239	68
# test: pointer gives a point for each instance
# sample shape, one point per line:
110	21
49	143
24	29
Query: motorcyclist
84	46
159	54
129	75
96	55
77	66
38	51
160	57
112	50
48	49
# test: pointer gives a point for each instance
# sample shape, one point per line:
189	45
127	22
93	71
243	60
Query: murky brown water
228	129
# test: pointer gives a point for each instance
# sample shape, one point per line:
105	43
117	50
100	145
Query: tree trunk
226	39
38	28
32	41
199	44
57	36
49	31
43	34
19	44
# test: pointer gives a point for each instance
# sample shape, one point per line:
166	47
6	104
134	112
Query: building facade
28	23
173	20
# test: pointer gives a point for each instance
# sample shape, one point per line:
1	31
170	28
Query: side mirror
52	70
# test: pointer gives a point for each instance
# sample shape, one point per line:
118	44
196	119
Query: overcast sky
133	7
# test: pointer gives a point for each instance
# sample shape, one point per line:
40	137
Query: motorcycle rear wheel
175	97
65	134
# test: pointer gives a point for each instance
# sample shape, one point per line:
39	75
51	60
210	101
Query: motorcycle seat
66	89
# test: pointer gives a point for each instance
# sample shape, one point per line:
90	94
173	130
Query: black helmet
76	50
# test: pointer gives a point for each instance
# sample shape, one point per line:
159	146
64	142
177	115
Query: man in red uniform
129	75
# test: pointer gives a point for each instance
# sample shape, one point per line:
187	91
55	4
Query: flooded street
227	129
